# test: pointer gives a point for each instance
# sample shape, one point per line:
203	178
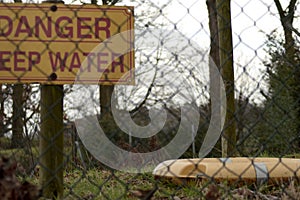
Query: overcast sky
251	21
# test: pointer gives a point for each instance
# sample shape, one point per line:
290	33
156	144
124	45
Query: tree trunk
51	141
286	19
227	71
2	131
214	35
214	61
17	140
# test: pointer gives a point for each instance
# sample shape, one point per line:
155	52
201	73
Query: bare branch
279	8
113	2
291	10
292	6
105	2
291	28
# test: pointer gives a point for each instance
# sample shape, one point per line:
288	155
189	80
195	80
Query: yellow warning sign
66	44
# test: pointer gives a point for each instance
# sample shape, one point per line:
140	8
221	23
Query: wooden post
52	137
105	91
51	141
105	99
227	71
17	140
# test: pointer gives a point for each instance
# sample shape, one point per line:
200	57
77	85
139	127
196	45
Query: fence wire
154	123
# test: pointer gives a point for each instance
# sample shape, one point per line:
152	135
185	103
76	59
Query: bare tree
214	47
287	18
213	28
227	71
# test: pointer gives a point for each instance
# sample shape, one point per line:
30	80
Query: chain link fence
100	102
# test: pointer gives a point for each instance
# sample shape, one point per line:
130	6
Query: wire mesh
162	134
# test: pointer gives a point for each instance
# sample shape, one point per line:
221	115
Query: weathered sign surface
64	44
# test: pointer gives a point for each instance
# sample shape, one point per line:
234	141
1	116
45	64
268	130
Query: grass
101	184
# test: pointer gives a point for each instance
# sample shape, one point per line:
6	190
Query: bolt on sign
66	44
